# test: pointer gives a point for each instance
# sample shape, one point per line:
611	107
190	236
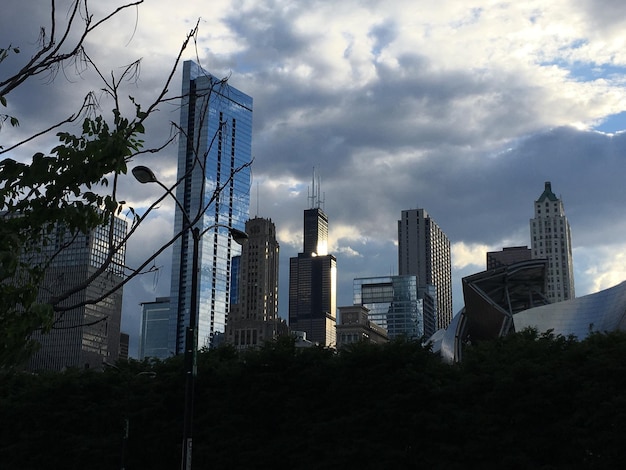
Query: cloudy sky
464	108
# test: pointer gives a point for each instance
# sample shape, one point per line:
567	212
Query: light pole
144	175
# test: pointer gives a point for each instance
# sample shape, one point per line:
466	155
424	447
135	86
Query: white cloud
399	104
465	255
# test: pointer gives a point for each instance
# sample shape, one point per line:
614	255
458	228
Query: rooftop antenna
257	199
314	194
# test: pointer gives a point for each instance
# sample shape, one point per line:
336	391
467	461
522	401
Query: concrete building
88	333
551	239
424	251
218	118
354	326
254	318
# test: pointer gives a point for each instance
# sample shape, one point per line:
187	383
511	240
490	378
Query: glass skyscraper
395	304
313	283
216	145
154	328
88	333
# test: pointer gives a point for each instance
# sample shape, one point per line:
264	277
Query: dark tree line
526	401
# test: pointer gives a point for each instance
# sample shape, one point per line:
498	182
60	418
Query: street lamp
143	174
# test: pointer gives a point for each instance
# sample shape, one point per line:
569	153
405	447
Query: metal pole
191	352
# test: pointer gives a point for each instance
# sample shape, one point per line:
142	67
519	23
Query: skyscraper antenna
315	201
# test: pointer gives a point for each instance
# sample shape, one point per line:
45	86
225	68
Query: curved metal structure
512	298
603	311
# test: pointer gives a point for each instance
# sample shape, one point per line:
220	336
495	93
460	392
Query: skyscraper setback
254	319
216	145
313	280
551	239
424	251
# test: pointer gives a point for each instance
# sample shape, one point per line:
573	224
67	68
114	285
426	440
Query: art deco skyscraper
551	239
313	281
217	122
424	251
254	319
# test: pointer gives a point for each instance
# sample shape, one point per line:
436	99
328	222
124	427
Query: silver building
512	298
217	122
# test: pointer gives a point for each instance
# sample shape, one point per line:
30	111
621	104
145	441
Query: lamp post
144	175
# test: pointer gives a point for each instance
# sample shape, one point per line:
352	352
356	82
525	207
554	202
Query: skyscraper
254	319
217	122
154	329
424	251
87	335
395	304
552	240
313	280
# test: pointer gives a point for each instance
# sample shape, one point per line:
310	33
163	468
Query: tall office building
154	329
253	318
87	335
217	123
313	280
424	251
396	304
552	240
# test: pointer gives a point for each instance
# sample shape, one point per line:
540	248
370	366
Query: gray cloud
465	113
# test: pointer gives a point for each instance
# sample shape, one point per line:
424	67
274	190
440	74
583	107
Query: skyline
464	110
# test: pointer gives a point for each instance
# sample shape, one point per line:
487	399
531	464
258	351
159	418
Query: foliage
73	188
525	401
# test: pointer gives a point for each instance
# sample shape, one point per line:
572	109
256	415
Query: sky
463	108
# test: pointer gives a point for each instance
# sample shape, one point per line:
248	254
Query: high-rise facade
313	282
87	335
508	256
396	304
154	329
216	145
424	251
354	326
551	239
253	318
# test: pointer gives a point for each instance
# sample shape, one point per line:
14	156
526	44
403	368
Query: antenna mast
315	201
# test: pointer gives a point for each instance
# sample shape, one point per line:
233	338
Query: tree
74	186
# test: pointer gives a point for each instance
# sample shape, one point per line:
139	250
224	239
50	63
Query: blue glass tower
397	304
216	120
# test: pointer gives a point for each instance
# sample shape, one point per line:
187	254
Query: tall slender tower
552	240
217	123
313	279
254	319
424	251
